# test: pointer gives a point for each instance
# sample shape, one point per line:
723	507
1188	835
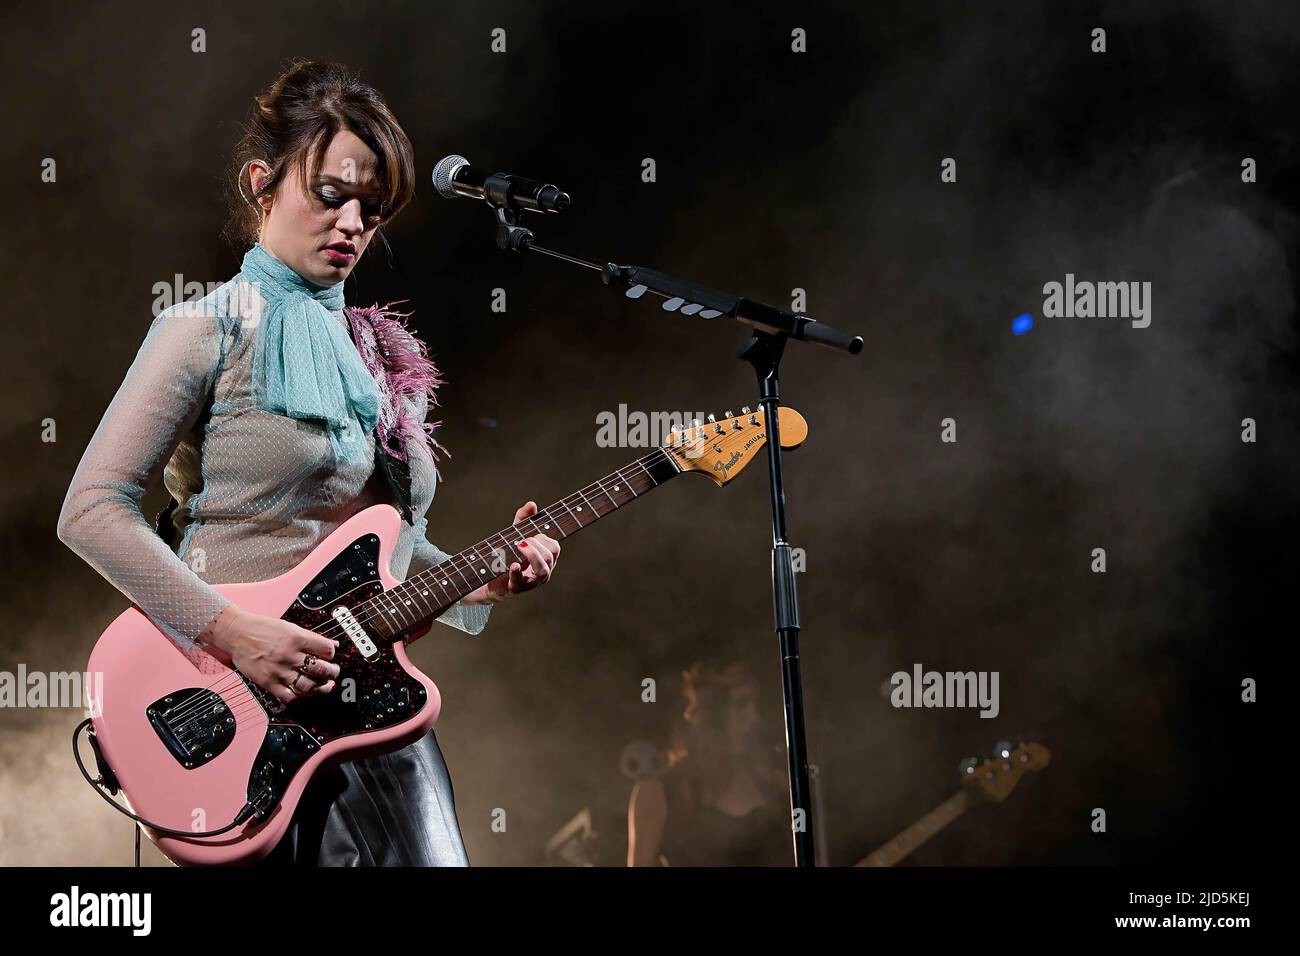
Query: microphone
454	178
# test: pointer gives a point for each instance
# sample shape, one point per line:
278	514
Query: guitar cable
107	780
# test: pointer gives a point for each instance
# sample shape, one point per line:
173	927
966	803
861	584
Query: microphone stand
772	328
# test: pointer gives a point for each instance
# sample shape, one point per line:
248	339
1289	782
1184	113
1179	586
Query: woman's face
322	228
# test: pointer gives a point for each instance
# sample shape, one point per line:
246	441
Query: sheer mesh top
255	491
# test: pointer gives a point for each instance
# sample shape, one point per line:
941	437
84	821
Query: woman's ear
258	174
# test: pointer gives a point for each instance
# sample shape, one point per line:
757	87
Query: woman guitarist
273	413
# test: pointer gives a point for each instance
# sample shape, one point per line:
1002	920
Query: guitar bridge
194	724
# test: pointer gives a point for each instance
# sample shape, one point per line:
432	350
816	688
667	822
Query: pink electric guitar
195	747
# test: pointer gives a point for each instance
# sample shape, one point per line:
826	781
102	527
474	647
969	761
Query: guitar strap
397	475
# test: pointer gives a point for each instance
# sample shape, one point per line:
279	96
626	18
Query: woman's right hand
269	650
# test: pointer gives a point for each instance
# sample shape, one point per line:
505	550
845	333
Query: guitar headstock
995	778
721	448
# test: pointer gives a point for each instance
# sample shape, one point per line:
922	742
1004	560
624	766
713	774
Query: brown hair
295	119
699	751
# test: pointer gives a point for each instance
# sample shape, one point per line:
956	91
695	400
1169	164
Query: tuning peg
1002	749
711	418
744	409
727	414
967	767
695	423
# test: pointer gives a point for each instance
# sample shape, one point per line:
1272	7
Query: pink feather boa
400	364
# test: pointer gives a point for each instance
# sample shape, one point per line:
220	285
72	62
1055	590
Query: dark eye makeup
331	198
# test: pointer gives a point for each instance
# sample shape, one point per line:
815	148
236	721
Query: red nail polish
523	544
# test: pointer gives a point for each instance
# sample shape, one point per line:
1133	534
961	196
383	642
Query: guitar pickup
356	633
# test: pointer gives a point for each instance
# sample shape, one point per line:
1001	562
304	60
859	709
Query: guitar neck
426	595
920	831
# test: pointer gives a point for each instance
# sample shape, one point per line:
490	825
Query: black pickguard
368	695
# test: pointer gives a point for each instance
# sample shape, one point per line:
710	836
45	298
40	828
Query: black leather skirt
397	809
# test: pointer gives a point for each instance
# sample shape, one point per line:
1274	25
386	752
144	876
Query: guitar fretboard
920	831
428	594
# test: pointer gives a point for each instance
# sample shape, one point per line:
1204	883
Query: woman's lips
338	257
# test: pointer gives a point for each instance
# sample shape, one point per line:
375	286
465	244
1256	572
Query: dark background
776	171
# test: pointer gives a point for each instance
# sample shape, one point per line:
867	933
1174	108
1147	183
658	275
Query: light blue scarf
304	363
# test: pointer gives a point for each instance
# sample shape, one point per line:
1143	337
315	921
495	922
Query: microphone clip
511	235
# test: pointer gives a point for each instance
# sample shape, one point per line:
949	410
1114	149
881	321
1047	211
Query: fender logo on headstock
726	466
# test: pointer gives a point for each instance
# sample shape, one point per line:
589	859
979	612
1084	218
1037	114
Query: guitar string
372	609
235	711
366	617
457	565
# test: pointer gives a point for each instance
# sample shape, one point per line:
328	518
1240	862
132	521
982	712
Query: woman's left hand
542	552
